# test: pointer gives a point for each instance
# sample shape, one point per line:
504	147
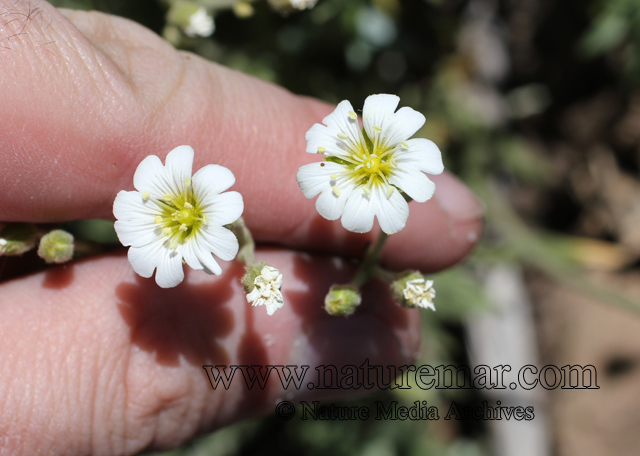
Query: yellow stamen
404	145
167	197
157	220
336	190
183	227
167	231
321	149
145	195
342	136
187	182
173	245
188	206
377	128
390	191
353	115
367	190
334	176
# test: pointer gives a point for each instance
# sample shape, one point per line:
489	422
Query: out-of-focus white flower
303	4
289	5
363	168
266	291
200	24
420	293
174	217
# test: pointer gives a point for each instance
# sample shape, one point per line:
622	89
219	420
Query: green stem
370	261
246	253
384	275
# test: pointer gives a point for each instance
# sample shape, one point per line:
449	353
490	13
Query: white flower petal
224	208
316	177
170	273
422	154
378	111
145	259
414	183
211	266
131	206
188	252
212	179
340	121
392	211
149	177
220	241
326	138
359	212
404	124
178	165
331	206
137	233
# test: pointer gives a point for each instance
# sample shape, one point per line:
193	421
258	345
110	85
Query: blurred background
535	104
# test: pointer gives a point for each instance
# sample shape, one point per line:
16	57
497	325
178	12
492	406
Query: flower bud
17	238
342	300
56	247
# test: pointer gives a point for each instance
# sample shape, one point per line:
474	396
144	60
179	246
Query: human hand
95	359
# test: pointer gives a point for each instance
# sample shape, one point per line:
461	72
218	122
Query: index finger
85	99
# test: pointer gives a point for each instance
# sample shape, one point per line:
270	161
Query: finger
84	100
96	360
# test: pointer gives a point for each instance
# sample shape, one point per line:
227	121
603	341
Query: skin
96	360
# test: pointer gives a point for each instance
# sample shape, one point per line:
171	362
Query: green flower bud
56	247
342	300
18	238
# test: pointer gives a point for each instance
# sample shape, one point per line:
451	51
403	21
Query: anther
390	191
353	115
173	245
377	128
404	145
367	190
188	206
145	195
183	227
167	197
342	136
321	150
167	230
336	190
157	220
187	181
334	177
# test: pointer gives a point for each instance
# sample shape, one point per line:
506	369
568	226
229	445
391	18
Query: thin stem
370	261
384	275
246	253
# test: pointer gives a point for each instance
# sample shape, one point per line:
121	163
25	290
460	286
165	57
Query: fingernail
456	200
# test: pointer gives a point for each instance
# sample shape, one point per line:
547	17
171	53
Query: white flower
364	168
267	290
420	293
200	24
173	216
303	4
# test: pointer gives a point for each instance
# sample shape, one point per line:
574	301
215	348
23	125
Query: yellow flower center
371	162
181	217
